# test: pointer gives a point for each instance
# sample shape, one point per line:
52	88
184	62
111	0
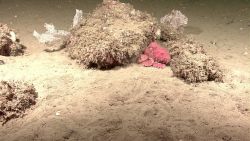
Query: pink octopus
155	56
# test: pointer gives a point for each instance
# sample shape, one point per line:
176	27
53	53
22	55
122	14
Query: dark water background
63	10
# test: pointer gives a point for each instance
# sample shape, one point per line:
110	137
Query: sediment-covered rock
190	62
15	99
114	34
9	45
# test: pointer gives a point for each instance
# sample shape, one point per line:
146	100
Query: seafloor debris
15	99
9	45
114	34
172	25
155	56
190	62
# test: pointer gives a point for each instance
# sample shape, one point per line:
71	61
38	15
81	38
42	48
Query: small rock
58	113
230	22
133	12
213	42
158	34
245	53
2	62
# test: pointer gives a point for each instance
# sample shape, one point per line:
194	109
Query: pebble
2	62
133	12
213	42
58	113
245	53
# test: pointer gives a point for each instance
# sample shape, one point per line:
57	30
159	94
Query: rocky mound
114	34
9	45
15	99
190	62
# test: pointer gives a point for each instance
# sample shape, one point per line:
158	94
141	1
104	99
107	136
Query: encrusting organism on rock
51	35
9	44
155	56
172	25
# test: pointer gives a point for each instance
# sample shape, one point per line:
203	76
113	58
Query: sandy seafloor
133	102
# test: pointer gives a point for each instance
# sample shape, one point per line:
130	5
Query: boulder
114	34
